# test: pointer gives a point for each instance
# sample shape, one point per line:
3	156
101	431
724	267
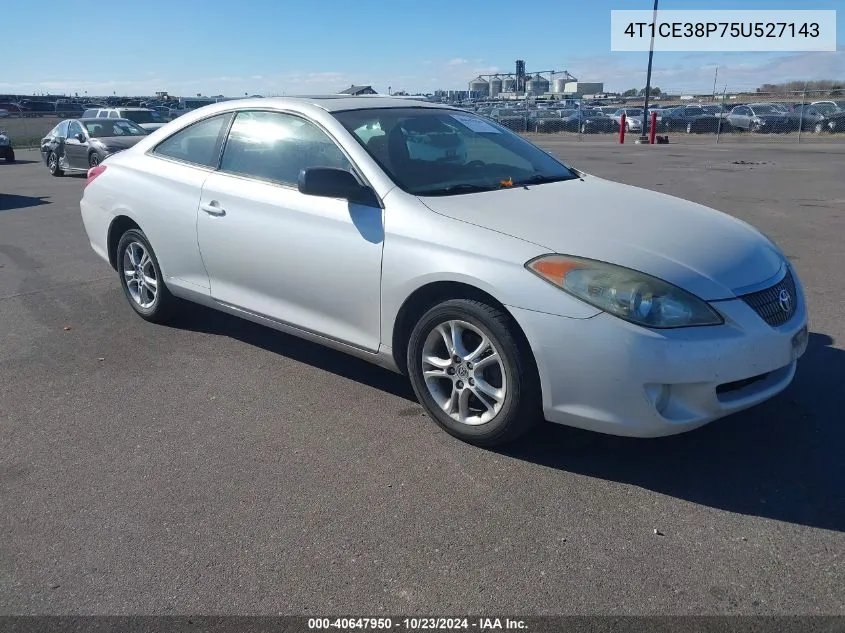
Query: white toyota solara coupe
508	286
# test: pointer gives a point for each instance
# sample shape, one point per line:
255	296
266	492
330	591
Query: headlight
625	293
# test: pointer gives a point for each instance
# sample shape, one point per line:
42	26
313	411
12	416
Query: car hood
699	249
117	143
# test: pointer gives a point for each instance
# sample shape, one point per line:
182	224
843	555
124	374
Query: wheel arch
432	293
118	226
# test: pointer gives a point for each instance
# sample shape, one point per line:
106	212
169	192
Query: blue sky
286	47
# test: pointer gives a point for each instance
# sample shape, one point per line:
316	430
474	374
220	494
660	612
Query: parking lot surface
220	467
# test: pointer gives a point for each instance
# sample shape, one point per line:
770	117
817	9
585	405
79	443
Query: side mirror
331	182
80	137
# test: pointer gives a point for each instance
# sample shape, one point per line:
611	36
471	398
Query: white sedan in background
508	286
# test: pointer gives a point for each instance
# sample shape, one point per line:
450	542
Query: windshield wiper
540	180
460	188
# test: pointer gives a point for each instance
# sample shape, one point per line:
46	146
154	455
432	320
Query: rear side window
198	144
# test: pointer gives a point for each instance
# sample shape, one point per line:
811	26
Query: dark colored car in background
76	145
594	121
37	108
66	109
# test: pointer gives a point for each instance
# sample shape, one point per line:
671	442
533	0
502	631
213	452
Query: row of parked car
66	108
773	117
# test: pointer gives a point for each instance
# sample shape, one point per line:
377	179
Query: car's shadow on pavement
201	319
782	460
13	202
18	161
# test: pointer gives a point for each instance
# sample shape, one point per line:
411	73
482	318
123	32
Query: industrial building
539	84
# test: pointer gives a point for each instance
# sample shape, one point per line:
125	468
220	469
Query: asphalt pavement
220	467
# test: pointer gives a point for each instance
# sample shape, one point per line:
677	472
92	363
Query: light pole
646	118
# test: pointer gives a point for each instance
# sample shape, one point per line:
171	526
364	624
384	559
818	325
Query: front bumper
604	374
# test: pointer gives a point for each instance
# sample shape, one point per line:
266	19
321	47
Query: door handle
213	208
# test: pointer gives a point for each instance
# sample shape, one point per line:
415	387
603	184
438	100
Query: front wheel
10	156
141	278
53	165
473	374
93	159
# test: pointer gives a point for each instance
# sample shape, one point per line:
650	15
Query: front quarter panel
423	247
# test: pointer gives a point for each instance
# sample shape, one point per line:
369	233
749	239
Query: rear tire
484	390
141	278
10	156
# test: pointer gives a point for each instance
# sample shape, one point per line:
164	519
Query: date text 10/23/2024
480	624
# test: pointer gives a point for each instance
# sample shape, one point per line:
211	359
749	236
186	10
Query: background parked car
6	150
762	117
76	145
693	119
633	118
147	118
594	121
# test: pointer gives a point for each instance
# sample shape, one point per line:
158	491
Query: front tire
473	374
141	278
93	159
53	165
10	156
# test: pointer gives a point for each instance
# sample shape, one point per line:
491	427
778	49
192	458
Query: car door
76	150
174	173
740	117
306	261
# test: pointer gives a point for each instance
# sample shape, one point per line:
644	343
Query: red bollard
652	128
622	128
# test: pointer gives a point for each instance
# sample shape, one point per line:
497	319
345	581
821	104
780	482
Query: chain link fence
741	114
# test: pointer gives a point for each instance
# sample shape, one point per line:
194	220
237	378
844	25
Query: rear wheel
473	374
10	156
141	278
53	165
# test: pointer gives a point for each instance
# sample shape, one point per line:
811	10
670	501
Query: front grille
777	304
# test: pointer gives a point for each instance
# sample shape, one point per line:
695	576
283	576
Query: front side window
74	128
199	143
89	114
435	151
60	131
274	146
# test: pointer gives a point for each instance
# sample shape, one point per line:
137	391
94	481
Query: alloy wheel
463	372
140	275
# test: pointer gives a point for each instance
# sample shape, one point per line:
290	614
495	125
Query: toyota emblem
785	300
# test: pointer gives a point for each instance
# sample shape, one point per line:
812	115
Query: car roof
329	103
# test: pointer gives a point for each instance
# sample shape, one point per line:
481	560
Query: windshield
436	152
765	109
634	112
104	128
141	116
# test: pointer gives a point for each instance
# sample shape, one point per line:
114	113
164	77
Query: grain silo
495	86
537	85
479	87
